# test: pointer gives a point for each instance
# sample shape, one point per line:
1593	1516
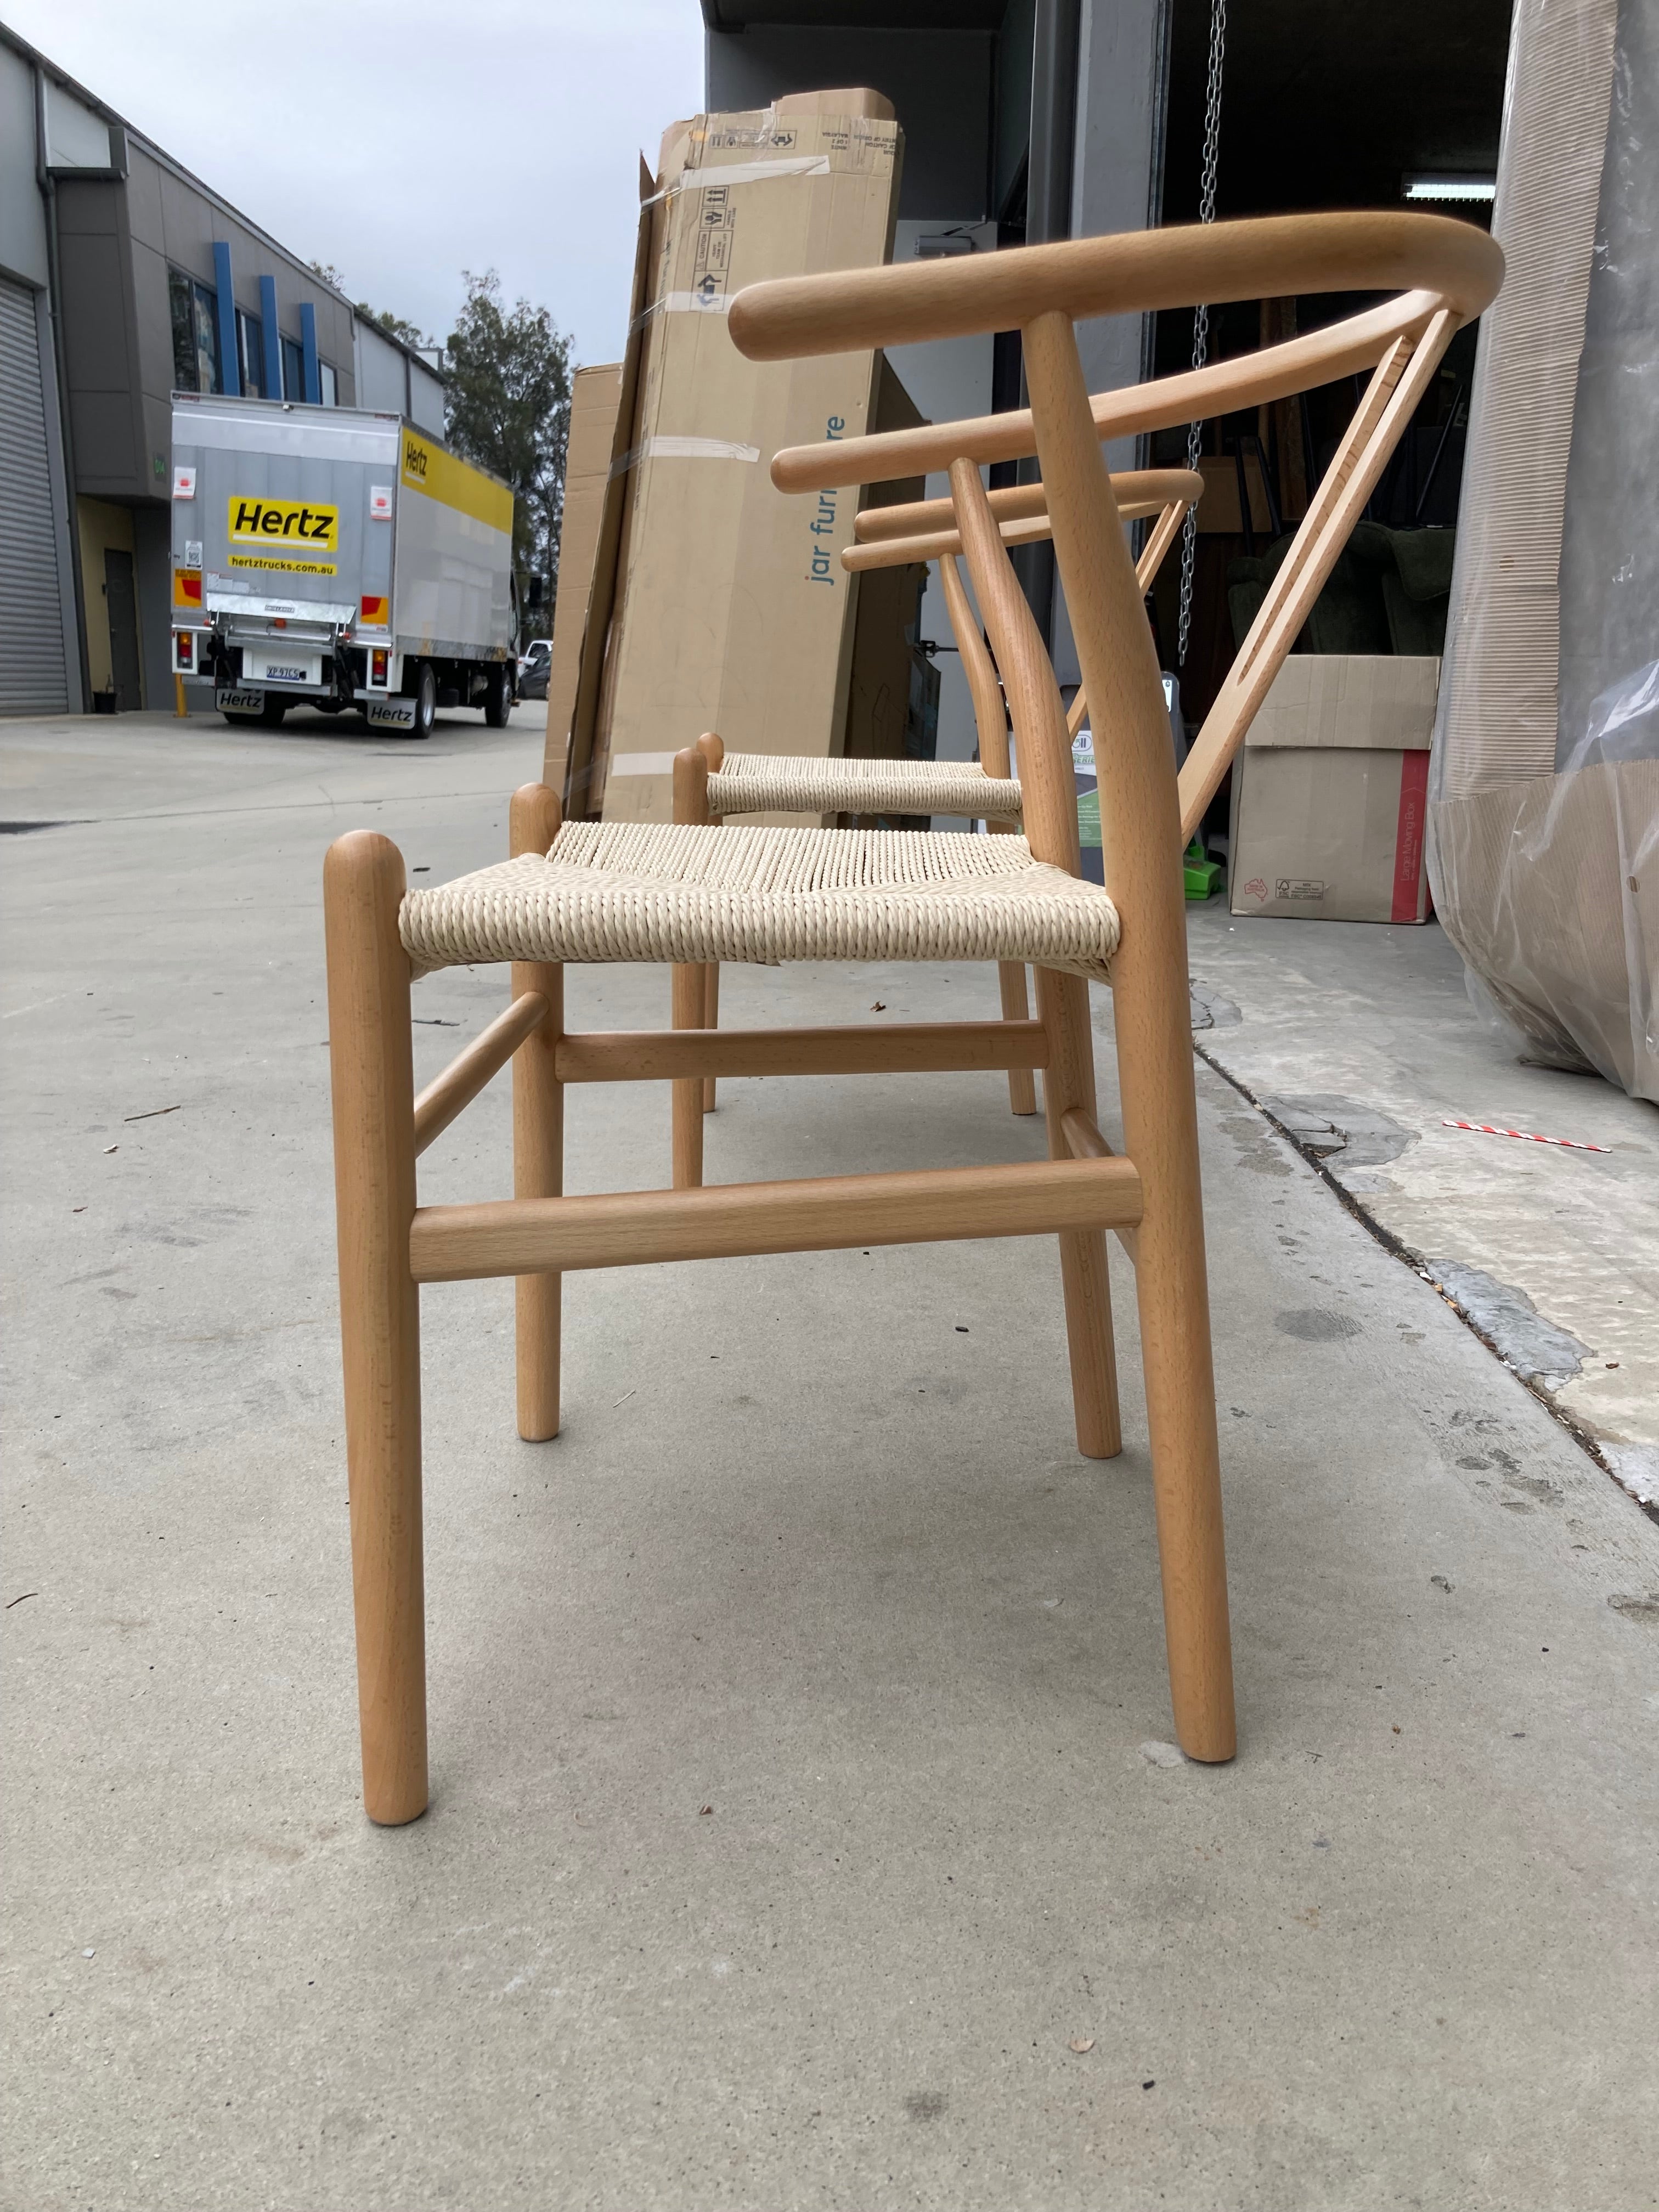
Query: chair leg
687	988
1021	1081
1160	1122
538	1172
711	1020
374	1086
537	1143
1069	1082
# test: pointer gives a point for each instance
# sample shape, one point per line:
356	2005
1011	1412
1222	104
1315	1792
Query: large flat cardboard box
595	399
729	610
1330	792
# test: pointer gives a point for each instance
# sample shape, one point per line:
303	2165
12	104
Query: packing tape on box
683	303
684	449
743	173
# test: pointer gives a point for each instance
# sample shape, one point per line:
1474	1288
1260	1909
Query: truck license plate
281	667
240	703
390	714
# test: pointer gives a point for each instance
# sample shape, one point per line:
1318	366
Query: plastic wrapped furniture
1544	782
687	894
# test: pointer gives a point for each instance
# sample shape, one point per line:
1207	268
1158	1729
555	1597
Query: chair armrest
1269	257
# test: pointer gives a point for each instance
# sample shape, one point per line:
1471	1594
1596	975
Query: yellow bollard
178	706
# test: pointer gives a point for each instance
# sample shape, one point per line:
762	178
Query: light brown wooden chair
686	895
985	789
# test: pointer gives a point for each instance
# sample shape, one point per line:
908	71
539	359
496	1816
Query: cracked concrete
1361	1043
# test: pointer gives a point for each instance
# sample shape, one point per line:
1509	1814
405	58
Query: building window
330	387
194	311
293	370
250	354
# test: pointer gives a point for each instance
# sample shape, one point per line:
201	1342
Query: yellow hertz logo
294	535
455	483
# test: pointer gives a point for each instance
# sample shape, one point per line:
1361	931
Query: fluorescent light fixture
1450	188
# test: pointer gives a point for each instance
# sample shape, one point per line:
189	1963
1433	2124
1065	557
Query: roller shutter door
32	679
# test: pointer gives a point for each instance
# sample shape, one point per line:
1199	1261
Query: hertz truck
333	558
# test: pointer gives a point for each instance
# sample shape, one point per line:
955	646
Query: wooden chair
686	895
984	790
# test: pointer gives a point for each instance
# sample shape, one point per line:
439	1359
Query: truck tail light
377	668
183	651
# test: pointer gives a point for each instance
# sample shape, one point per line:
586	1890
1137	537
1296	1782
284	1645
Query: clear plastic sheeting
1544	796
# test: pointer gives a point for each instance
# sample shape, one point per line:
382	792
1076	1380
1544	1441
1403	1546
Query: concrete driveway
805	1830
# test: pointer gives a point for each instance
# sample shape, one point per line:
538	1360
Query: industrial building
122	278
1030	120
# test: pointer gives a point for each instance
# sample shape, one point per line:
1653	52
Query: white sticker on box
184	484
380	503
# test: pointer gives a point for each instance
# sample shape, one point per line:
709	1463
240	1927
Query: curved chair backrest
897	537
1441	271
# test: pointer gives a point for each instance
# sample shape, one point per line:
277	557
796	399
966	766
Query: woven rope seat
766	783
649	892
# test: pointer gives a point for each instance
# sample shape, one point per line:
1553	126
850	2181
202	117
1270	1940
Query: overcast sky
406	140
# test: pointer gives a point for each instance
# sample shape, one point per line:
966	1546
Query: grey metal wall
34	678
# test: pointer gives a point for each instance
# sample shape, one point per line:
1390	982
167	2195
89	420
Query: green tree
395	326
507	408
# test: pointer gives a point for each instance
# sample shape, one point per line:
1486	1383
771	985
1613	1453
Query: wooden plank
863	1048
454	1091
1086	1143
379	1311
511	1236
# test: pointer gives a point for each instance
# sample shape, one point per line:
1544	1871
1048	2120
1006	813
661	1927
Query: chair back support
1449	271
1042	750
983	688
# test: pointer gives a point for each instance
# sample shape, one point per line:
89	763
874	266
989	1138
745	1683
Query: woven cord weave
763	783
649	892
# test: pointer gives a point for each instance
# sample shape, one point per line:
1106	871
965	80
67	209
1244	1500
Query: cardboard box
595	401
892	690
1330	792
729	610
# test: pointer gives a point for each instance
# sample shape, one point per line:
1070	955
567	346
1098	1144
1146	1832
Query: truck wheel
268	717
426	701
498	696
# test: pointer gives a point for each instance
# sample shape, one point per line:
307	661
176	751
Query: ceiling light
1450	188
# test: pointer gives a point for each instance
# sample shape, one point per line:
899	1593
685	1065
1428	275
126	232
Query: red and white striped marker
1487	1129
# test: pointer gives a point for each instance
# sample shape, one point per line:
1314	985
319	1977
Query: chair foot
1090	1344
1067	1083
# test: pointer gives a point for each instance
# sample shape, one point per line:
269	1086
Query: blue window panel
232	382
250	354
273	344
293	370
308	347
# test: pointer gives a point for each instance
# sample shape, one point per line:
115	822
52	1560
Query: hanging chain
1201	315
